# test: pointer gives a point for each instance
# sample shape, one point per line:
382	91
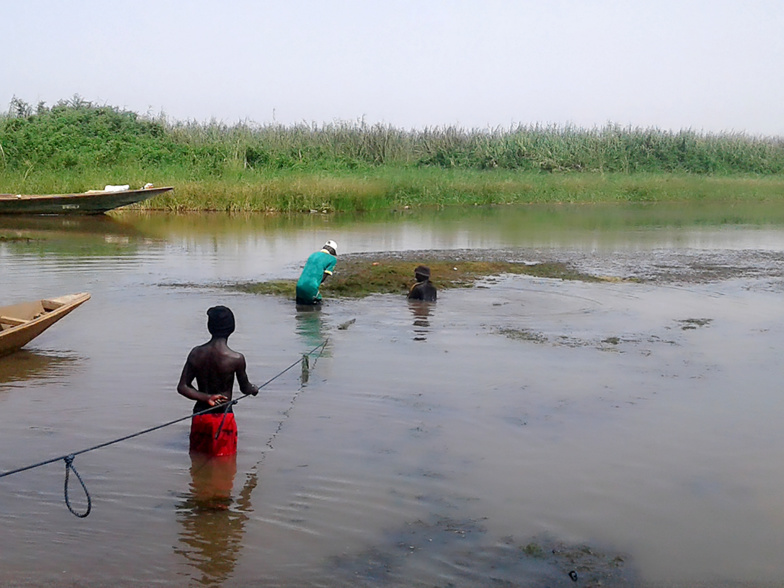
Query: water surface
632	427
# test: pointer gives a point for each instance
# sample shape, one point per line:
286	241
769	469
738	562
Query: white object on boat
110	188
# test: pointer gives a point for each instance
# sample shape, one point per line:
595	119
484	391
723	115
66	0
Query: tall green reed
350	165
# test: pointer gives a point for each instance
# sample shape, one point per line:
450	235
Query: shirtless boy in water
423	289
214	366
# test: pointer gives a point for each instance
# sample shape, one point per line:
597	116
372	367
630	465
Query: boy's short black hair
220	321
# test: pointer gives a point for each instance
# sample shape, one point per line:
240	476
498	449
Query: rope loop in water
68	468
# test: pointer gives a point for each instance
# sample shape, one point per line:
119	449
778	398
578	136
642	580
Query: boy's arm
242	378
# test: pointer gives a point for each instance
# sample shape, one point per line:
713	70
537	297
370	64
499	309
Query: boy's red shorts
203	429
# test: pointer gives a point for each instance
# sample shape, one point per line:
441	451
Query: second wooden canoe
21	323
93	202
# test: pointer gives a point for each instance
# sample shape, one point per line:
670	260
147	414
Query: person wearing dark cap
318	268
214	365
423	289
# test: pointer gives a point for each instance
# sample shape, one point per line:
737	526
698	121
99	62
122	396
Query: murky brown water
513	432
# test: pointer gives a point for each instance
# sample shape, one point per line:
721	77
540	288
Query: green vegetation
76	145
361	275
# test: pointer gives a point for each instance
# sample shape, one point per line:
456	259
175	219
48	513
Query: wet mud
665	266
468	557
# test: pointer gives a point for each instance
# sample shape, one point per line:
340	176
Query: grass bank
390	188
387	188
75	146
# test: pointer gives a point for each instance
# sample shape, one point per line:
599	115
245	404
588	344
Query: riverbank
76	146
407	188
394	189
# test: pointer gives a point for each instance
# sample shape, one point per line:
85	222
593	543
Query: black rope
69	458
68	467
250	482
223	420
304	358
101	445
305	361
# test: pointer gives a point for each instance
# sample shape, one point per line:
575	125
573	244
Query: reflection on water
292	237
310	326
212	523
63	235
490	226
25	366
312	331
421	311
77	226
538	217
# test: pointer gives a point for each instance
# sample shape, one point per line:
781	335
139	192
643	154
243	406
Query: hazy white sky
708	65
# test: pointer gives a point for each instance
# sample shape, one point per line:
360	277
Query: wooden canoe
92	202
23	322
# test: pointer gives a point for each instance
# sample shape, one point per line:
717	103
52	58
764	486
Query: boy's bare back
214	365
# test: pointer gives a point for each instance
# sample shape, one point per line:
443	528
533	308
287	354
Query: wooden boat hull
23	322
94	202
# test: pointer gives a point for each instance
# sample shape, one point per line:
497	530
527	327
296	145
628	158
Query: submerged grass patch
360	276
273	287
523	335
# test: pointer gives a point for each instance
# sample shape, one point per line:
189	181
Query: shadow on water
24	366
212	522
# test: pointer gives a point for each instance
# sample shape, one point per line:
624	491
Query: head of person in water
331	247
220	321
422	273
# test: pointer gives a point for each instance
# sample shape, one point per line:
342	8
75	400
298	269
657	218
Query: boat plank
9	320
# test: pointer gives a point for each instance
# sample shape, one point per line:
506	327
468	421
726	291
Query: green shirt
312	275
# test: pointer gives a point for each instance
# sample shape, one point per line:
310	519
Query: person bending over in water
214	365
423	289
317	268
